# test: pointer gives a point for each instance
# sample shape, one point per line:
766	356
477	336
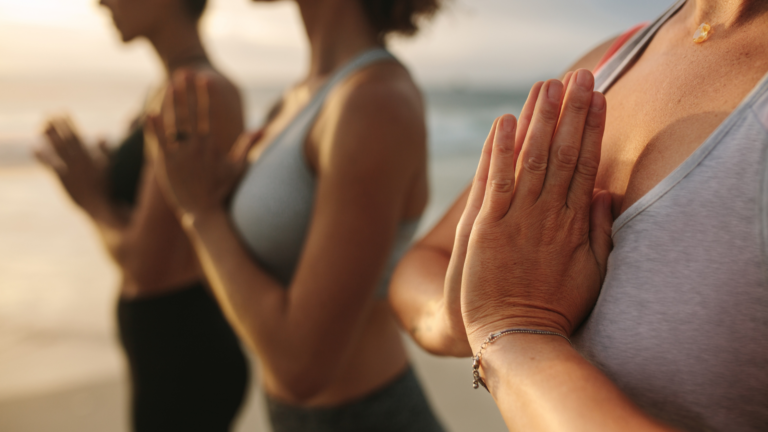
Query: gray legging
399	407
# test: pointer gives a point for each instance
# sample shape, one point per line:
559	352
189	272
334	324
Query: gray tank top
681	324
272	207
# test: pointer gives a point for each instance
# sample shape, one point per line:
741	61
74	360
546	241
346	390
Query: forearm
248	295
416	295
256	304
113	228
540	383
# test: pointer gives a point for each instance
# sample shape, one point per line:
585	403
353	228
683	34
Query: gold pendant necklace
702	33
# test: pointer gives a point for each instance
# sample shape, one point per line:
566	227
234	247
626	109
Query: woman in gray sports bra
300	235
670	332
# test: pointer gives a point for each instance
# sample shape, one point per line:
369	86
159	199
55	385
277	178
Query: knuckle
593	123
503	148
578	106
549	113
588	166
535	165
567	155
501	185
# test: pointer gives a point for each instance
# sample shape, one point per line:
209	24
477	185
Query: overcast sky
472	43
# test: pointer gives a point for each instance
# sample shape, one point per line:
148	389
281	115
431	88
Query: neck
726	13
337	31
178	44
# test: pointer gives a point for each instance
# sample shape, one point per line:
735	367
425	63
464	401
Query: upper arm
368	159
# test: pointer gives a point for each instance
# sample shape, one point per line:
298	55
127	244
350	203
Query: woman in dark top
188	372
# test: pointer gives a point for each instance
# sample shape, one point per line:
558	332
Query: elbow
302	388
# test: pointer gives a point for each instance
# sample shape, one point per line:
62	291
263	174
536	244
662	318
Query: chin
125	36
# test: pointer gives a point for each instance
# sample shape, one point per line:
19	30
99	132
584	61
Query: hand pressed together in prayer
540	235
81	170
197	174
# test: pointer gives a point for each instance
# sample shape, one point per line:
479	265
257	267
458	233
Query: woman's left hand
539	246
197	174
82	171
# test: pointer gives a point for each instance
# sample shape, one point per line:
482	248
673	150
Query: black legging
188	372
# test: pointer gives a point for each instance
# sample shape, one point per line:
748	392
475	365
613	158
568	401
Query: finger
583	182
51	160
155	125
480	182
68	133
184	103
471	210
70	128
535	152
202	89
567	80
55	140
600	228
69	143
168	115
566	143
525	117
501	176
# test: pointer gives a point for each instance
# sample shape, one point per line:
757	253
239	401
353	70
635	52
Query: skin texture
431	271
661	110
325	339
147	241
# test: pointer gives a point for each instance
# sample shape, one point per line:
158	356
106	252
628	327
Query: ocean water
458	118
57	286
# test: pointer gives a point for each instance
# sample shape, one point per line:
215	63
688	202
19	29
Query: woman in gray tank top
676	337
299	233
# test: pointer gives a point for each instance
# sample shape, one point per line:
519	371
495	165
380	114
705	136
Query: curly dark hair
399	16
195	7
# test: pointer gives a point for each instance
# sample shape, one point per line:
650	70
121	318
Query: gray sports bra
272	207
681	323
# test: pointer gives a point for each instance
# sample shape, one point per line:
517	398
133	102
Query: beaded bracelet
478	380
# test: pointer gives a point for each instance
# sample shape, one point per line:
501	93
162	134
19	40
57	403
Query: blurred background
60	366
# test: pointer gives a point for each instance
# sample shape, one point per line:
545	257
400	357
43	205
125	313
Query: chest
664	107
293	102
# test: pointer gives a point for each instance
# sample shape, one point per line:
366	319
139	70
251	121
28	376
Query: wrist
520	355
199	220
453	333
478	330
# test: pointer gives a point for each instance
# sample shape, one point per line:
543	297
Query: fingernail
507	124
584	79
555	91
598	102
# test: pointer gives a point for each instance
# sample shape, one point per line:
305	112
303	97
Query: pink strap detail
617	44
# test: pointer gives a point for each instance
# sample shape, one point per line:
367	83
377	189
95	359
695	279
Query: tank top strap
367	58
307	116
625	56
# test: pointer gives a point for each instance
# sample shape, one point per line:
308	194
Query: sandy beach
60	366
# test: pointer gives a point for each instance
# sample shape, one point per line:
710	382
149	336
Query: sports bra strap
617	44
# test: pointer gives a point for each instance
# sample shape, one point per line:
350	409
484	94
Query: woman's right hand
453	279
539	246
82	172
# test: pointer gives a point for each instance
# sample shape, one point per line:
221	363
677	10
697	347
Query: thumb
600	228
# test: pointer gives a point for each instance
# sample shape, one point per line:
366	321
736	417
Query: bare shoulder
384	98
221	88
592	58
373	125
